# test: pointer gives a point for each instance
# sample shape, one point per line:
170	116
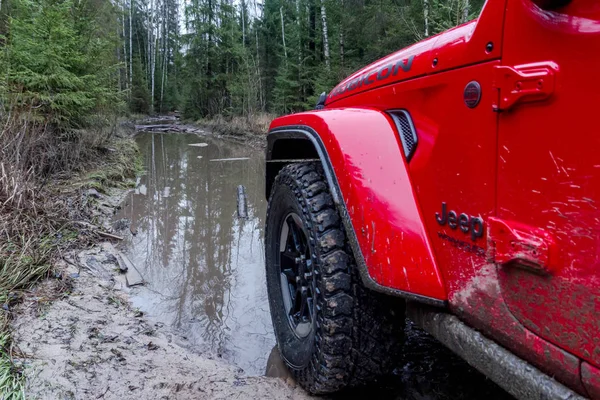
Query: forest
78	60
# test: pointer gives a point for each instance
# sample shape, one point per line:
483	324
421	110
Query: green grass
24	262
11	380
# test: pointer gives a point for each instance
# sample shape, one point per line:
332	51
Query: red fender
361	153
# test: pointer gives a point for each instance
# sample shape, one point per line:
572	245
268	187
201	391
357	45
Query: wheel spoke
304	304
288	261
302	309
296	275
290	275
297	304
287	293
296	234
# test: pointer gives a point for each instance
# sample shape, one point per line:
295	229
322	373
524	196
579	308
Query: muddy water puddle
203	267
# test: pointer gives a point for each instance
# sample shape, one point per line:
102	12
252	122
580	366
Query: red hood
407	63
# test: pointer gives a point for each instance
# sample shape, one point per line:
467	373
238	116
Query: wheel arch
285	146
289	142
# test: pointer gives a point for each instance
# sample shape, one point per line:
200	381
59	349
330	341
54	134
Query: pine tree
59	66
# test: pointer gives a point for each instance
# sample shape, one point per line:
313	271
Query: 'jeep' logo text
464	222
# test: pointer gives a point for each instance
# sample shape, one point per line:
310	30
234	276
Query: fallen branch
241	202
109	235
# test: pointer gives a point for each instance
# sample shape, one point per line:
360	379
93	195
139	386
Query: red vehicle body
493	221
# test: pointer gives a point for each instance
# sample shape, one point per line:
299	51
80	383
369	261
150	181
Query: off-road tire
357	334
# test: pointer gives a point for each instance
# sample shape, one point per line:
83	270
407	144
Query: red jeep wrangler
455	182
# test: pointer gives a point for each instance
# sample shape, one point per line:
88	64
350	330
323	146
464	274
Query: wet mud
203	267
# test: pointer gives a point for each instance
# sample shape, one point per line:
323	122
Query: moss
121	165
255	125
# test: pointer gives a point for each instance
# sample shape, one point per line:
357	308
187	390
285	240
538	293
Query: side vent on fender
406	129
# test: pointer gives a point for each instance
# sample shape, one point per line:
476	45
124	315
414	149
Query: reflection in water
203	266
204	269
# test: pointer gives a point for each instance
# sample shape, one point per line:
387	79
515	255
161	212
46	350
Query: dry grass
250	125
116	170
42	174
28	242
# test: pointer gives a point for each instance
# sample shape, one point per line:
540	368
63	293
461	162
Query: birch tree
325	35
124	38
152	46
164	54
130	45
426	16
283	33
342	42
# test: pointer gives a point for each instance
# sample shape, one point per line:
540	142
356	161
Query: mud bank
89	343
77	336
247	131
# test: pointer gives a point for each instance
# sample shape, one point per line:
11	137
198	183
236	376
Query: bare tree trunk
342	55
164	60
283	33
342	38
130	46
164	80
153	51
258	70
124	45
147	44
257	47
465	16
426	16
325	36
258	74
299	37
120	71
243	24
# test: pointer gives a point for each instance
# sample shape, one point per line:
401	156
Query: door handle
523	83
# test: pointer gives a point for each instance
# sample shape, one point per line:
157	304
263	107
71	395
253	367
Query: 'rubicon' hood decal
412	62
370	77
404	64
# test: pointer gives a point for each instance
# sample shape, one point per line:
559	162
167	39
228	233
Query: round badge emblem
472	94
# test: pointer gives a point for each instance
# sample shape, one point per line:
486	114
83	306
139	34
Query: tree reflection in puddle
203	266
205	269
